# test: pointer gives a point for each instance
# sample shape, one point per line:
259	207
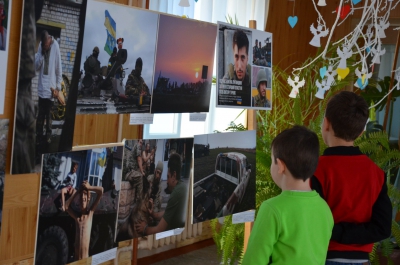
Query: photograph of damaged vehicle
224	180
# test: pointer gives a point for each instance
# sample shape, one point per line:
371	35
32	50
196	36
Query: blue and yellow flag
111	28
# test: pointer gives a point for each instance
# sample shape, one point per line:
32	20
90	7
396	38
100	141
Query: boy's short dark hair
348	114
174	164
298	148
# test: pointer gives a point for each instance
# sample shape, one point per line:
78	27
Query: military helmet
261	76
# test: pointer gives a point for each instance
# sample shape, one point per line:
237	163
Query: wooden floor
203	252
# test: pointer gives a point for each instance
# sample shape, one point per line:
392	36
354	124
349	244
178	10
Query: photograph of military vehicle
117	62
68	231
224	181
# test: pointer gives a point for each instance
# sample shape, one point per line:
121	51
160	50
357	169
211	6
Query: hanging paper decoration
377	53
322	87
363	77
369	34
330	75
322	71
295	84
344	54
344	11
320	31
381	26
292	21
375	16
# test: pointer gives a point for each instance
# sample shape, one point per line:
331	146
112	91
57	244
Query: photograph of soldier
263	54
224	180
234	69
85	224
3	153
51	44
261	88
4	35
184	61
3	24
154	200
126	38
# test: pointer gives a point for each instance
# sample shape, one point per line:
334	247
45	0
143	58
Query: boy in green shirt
295	226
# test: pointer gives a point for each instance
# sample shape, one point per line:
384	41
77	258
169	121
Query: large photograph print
5	14
184	65
78	204
117	59
244	58
154	189
3	153
224	180
51	42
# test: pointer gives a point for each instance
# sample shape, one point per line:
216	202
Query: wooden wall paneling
130	131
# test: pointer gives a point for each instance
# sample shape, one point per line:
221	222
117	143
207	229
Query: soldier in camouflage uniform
25	122
136	173
135	85
155	187
260	100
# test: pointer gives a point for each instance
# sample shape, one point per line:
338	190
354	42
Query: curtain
217	10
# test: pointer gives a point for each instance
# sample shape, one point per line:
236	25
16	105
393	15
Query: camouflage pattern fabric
136	151
261	102
155	193
135	85
135	178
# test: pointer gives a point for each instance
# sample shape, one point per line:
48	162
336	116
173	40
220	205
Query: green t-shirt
175	213
292	228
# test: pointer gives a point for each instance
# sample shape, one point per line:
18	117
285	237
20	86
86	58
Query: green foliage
229	20
228	239
376	146
233	127
374	92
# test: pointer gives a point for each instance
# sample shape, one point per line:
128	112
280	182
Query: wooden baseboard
175	252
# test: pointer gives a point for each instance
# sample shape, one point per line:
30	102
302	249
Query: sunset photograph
184	65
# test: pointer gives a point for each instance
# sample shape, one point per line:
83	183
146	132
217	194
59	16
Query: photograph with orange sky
184	65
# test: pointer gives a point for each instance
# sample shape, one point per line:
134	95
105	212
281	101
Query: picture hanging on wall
244	67
184	65
78	204
5	14
224	180
117	62
155	186
3	153
49	67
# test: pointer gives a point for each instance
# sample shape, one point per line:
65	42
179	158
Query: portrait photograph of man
234	66
241	53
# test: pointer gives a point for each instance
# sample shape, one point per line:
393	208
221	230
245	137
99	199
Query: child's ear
281	166
326	124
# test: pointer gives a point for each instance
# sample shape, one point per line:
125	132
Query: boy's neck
290	183
335	141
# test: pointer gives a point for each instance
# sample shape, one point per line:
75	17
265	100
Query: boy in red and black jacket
352	185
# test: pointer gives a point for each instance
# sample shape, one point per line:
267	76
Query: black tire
52	247
101	239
